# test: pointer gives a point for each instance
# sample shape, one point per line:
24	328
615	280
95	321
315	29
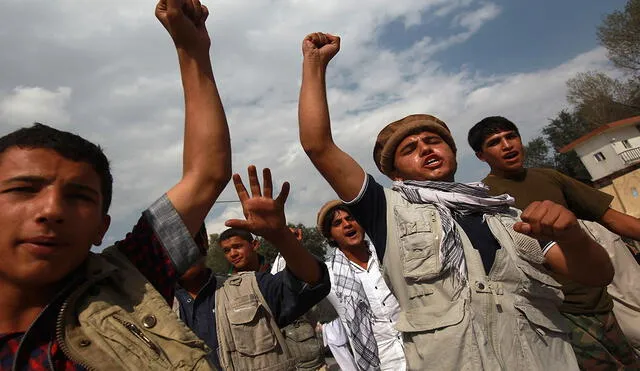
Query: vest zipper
60	337
135	330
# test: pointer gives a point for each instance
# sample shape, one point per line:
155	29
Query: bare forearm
299	261
207	155
622	224
313	112
582	260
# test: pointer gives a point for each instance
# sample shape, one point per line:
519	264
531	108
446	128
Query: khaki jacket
116	320
506	320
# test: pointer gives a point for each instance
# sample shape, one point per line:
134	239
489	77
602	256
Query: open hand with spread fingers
264	214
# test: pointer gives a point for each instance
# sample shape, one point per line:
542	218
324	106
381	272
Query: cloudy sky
108	71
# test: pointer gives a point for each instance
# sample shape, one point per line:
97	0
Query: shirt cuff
298	286
172	234
547	247
362	190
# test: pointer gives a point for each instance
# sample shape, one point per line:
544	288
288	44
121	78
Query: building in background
611	154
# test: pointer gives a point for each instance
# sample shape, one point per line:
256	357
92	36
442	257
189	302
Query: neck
22	305
254	266
194	284
508	174
358	254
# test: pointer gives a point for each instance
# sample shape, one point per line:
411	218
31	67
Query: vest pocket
250	328
437	315
299	331
420	252
545	316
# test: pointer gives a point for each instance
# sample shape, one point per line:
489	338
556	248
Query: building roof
601	129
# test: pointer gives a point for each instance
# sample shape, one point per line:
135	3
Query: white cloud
25	105
120	65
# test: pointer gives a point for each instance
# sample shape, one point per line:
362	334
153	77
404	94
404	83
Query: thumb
522	227
238	223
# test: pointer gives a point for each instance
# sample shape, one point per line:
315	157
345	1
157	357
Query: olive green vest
505	320
248	335
116	320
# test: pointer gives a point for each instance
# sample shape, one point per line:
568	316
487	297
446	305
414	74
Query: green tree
537	153
560	131
620	34
312	240
215	257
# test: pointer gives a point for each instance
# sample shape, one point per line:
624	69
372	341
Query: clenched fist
320	47
185	22
549	221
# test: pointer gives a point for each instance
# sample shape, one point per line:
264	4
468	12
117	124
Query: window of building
599	156
626	144
634	192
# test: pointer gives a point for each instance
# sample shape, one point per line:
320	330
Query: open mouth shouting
511	155
432	162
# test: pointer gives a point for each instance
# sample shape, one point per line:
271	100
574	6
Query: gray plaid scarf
451	198
350	292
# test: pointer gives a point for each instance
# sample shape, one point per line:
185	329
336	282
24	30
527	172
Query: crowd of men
505	274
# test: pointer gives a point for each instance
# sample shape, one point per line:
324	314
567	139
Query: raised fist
549	221
185	22
320	47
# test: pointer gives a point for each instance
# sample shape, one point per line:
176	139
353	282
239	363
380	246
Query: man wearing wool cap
470	274
366	307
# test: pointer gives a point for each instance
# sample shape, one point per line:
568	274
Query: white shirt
385	310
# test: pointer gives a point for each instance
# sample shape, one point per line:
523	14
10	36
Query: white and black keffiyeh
451	198
350	292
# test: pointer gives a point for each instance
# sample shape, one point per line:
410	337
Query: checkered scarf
451	198
350	292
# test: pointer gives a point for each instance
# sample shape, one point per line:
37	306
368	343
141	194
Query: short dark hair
486	128
326	223
235	232
68	145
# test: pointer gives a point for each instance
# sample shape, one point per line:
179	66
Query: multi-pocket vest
116	320
504	320
248	335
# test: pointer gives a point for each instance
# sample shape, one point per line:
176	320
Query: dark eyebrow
411	143
82	187
27	179
39	180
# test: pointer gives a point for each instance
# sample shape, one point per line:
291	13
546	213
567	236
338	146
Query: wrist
314	65
278	234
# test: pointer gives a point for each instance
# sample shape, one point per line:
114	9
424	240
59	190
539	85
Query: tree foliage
620	34
311	239
600	99
560	131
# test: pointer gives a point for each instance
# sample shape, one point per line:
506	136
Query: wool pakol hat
324	210
392	134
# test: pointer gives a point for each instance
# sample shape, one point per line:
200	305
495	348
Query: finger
529	210
267	182
197	11
322	38
243	195
549	219
238	223
205	14
284	193
254	183
522	227
312	37
335	40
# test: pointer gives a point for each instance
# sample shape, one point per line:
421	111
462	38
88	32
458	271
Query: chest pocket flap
250	329
419	245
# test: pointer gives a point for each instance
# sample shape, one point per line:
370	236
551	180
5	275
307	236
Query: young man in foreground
64	308
486	304
596	336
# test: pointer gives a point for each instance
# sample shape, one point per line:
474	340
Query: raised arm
207	153
575	255
342	172
265	217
